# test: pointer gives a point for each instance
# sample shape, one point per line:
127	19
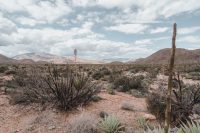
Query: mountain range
183	56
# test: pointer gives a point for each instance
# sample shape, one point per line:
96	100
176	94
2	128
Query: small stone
52	127
149	117
129	130
103	114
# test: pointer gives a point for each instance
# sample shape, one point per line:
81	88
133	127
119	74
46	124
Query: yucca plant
142	122
155	130
111	124
190	127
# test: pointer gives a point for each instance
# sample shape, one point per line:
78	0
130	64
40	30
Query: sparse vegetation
67	92
111	124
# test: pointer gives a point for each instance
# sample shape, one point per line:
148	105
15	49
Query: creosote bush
69	91
125	84
3	69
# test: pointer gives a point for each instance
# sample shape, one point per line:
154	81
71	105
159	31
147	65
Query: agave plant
111	124
155	130
190	127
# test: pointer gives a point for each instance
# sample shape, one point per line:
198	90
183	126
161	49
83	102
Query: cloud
28	21
188	30
5	40
189	39
6	26
143	42
40	10
159	30
128	28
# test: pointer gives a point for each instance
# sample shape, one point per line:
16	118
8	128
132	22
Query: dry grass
83	123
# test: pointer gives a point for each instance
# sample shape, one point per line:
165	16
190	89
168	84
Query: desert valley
99	66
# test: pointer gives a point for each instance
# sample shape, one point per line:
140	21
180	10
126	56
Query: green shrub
142	122
3	69
111	124
68	92
127	83
101	73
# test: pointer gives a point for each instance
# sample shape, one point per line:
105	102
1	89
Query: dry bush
184	101
69	91
83	123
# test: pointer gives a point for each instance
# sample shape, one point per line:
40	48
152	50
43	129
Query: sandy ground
32	118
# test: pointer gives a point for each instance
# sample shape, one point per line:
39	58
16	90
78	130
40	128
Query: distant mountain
4	59
116	63
45	57
183	56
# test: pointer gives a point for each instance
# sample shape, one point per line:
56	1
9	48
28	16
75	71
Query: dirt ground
32	118
35	118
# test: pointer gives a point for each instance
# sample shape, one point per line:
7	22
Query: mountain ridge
183	56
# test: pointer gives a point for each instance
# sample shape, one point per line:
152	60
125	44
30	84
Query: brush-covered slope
183	56
4	59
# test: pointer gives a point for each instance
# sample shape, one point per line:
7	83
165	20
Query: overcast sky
99	29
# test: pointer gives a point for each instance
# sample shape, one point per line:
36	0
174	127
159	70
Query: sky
98	29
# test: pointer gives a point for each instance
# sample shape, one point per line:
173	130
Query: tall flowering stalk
169	91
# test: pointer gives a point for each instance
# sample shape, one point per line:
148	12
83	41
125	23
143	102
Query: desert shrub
3	69
111	124
183	103
156	105
97	75
10	72
127	83
67	92
82	123
153	73
101	73
142	123
111	91
193	75
189	127
96	98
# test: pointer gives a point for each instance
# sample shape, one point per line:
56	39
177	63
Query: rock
103	114
52	127
129	130
149	117
128	106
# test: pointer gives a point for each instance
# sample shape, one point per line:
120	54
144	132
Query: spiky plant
155	130
111	124
190	127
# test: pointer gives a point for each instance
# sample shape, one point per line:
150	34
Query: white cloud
159	30
39	10
28	21
128	28
6	26
143	42
188	30
189	39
